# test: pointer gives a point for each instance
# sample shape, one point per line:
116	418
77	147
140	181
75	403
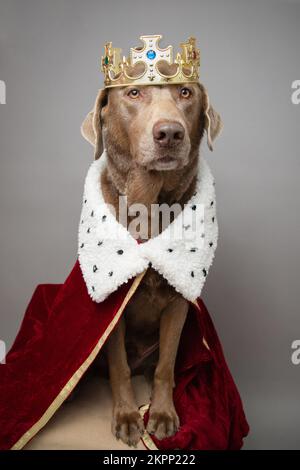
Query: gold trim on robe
146	438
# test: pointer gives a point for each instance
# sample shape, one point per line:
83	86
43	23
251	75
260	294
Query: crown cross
151	53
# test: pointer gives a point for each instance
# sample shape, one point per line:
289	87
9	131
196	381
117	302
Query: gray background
49	58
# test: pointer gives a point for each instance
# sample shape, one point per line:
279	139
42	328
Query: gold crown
150	65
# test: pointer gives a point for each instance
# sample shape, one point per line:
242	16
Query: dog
152	136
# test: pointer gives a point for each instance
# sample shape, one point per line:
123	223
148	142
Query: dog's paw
164	423
127	425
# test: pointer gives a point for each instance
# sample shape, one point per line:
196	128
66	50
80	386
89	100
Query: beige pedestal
85	422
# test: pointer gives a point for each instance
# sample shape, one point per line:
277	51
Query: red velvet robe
60	336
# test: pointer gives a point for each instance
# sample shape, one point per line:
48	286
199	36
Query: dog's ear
91	128
212	120
87	129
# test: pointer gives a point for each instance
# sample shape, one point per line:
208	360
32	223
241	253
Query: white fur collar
109	256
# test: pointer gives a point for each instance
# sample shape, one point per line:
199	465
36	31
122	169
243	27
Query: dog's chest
144	310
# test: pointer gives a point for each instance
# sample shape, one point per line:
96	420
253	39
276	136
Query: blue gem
151	54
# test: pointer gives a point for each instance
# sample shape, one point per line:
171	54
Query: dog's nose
168	133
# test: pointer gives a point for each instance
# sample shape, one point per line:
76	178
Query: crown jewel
151	65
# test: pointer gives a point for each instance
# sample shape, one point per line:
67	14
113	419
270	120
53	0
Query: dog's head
159	127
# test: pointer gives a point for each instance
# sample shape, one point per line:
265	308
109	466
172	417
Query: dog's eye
185	92
134	93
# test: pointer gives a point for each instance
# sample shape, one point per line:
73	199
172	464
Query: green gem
106	60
